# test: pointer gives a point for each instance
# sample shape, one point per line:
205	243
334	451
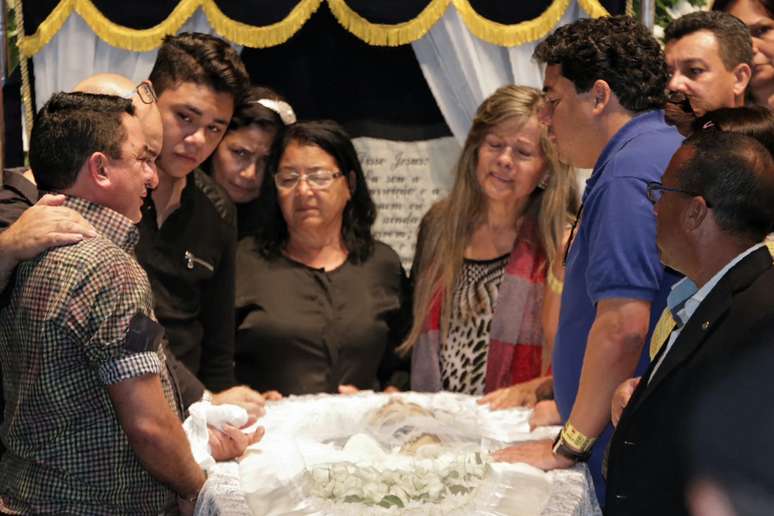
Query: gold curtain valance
140	40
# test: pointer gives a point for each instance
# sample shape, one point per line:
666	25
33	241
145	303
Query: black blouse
302	330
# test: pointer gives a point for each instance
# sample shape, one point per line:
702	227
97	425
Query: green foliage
662	15
391	501
13	32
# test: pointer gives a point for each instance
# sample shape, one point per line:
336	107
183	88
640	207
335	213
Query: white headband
280	107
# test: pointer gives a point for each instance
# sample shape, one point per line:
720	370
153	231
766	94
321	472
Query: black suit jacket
645	473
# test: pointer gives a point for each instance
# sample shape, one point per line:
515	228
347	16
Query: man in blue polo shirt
604	84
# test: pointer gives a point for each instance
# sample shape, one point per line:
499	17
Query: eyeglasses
655	190
146	93
317	180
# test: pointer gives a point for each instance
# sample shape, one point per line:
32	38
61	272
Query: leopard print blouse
465	348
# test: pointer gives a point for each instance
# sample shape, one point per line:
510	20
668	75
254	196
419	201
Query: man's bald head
148	113
106	84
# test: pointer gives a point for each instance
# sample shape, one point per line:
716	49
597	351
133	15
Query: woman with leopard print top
482	315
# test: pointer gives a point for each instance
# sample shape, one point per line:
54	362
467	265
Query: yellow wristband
575	439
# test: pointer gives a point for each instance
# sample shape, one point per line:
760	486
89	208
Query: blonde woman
482	312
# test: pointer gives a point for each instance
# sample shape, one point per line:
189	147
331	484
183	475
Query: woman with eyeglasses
239	162
485	301
758	15
319	303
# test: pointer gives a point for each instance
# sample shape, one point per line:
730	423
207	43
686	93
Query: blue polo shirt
613	254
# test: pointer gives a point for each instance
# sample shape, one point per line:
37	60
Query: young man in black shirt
188	234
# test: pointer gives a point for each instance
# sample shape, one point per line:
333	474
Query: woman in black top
319	303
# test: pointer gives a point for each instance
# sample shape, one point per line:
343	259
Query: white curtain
76	53
463	70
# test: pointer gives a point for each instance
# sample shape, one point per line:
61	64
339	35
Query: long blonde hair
448	226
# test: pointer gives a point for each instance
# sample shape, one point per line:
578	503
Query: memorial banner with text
405	179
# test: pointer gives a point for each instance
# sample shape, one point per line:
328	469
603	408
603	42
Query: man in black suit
714	207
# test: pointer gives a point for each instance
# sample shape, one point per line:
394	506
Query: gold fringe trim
147	39
277	33
593	8
260	37
388	35
511	35
112	33
133	39
31	45
26	89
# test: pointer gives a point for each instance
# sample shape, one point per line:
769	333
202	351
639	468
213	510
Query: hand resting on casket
545	413
231	442
243	396
351	389
524	394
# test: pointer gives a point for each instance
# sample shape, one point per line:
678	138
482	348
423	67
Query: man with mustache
709	58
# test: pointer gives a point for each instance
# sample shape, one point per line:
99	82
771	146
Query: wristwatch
560	447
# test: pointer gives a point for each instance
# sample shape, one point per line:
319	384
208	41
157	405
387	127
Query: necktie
666	323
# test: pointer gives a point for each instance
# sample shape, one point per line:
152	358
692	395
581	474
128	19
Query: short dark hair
735	174
733	36
68	129
754	121
360	211
200	59
725	5
618	50
249	112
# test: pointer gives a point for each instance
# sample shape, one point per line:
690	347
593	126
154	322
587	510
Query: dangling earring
543	184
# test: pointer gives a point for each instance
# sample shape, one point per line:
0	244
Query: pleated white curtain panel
463	70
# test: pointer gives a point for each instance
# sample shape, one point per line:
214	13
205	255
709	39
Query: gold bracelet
573	437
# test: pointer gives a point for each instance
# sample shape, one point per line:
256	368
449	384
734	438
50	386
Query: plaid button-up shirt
64	337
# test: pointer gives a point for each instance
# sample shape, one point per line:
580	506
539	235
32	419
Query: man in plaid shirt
92	418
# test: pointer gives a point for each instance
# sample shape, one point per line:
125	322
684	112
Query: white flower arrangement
429	481
668	10
325	454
